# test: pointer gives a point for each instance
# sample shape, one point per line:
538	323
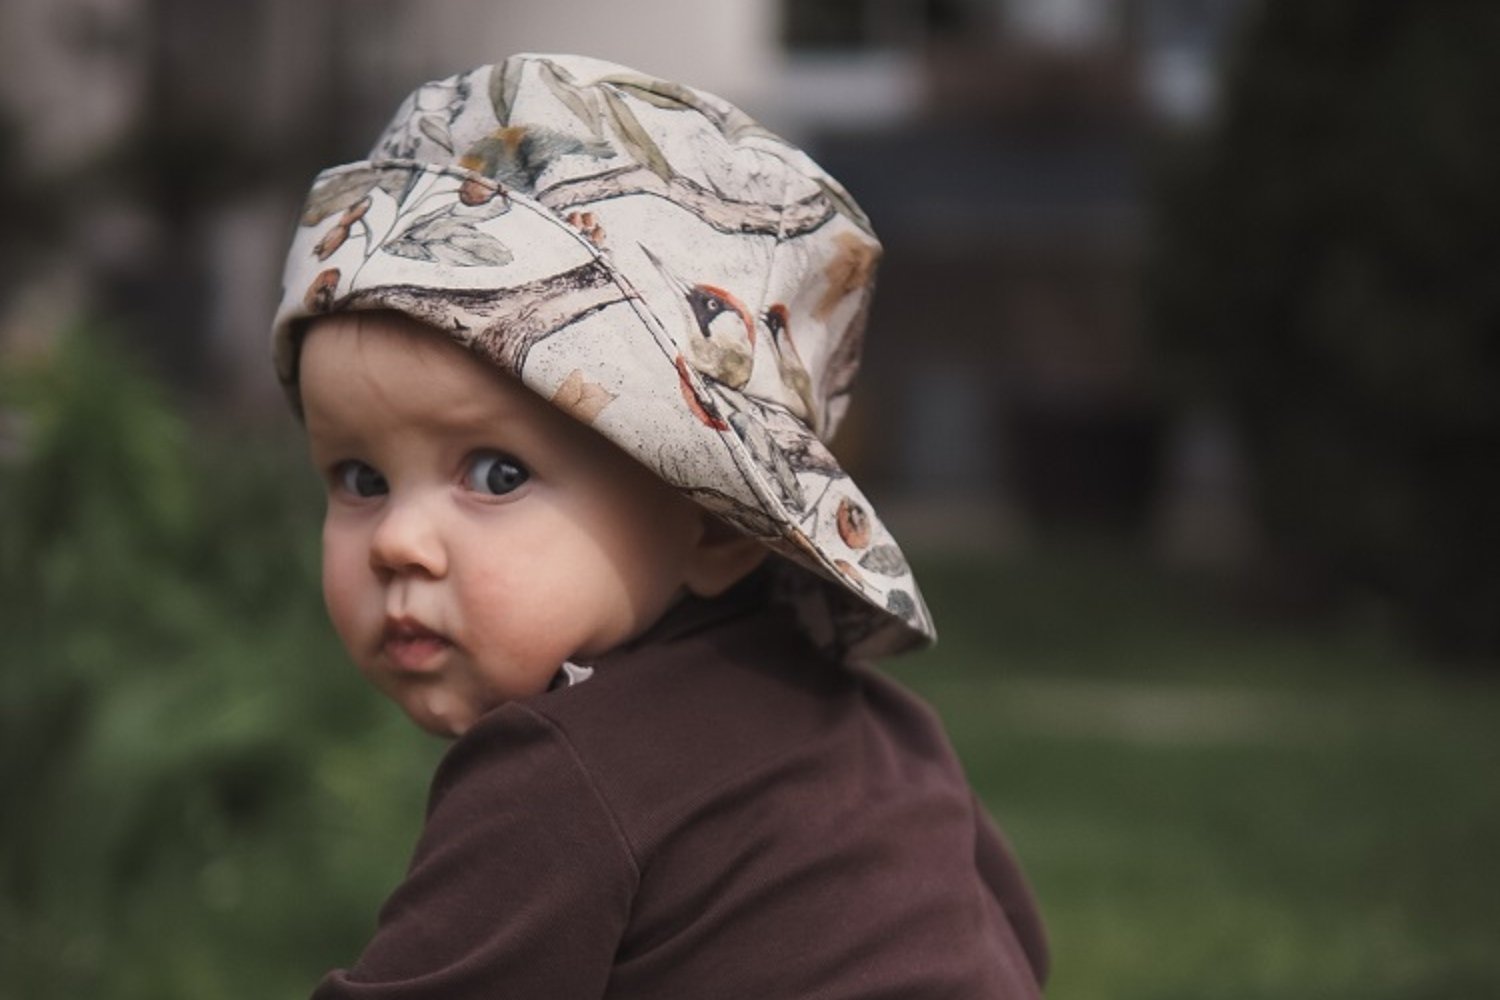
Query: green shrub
202	799
1325	268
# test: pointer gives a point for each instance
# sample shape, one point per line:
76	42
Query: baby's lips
405	627
413	647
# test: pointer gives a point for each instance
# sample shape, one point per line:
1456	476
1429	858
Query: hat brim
592	332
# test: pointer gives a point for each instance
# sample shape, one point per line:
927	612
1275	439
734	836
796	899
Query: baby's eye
496	474
360	479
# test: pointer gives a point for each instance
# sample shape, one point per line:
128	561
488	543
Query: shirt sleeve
521	884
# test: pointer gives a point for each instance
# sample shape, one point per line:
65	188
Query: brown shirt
717	813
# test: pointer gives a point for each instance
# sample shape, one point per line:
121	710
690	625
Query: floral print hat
652	261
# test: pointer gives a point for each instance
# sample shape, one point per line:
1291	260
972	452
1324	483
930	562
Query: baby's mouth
412	646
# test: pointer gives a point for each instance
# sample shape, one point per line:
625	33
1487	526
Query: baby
567	347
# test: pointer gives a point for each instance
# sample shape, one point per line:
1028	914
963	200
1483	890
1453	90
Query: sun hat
651	260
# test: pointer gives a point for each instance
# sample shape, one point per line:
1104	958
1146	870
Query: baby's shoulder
691	707
748	719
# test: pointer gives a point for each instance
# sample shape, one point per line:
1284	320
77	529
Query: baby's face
475	536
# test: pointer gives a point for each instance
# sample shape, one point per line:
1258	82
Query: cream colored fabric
651	260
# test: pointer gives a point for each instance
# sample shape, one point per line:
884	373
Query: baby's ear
721	558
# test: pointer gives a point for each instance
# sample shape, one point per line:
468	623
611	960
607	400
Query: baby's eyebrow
492	414
328	435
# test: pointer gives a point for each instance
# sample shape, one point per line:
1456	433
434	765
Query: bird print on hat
720	340
789	366
649	258
719	345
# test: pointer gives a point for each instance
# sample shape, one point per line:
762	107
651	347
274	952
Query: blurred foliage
1325	270
30	206
180	736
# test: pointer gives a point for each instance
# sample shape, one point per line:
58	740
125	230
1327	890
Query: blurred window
864	25
1064	24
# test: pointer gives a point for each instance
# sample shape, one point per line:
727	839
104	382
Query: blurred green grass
1214	807
203	800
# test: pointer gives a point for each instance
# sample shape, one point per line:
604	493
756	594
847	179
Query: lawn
1213	808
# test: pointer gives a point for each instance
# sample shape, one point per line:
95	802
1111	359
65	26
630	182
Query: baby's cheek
521	627
343	596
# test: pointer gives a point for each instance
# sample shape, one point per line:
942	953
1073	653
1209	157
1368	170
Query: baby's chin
440	712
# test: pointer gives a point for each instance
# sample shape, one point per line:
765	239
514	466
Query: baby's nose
408	540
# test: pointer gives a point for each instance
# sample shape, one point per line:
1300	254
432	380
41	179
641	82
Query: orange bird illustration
721	345
789	363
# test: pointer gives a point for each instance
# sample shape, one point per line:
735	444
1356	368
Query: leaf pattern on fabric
436	129
734	124
642	147
583	399
802	450
731	122
337	194
462	89
770	457
654	92
504	81
750	520
885	559
901	604
589	143
426	118
345	190
441	237
565	88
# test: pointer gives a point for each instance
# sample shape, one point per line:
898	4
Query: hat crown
574	132
648	258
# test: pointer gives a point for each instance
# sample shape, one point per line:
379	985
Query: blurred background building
998	144
1152	266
